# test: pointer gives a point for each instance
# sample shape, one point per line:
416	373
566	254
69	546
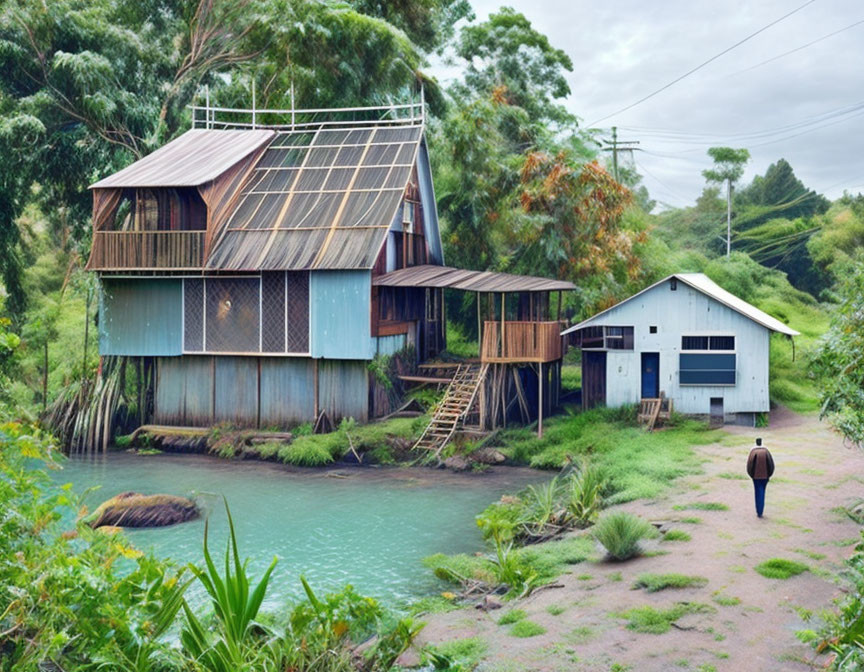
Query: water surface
369	527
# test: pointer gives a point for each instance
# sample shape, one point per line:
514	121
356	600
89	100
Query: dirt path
815	473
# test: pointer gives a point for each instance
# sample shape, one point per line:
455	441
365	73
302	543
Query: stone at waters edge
132	509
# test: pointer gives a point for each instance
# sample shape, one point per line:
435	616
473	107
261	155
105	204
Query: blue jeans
759	485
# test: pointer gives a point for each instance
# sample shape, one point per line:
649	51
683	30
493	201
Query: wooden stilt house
258	268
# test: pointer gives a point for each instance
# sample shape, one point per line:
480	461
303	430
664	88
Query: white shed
686	338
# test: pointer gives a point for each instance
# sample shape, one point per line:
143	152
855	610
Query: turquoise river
370	527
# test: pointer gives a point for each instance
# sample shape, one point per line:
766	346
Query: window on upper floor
606	338
712	343
162	209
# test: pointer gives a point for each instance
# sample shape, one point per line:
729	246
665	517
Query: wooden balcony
515	342
140	250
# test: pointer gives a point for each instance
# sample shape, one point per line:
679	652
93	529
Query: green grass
726	600
657	582
691	520
637	464
467	652
579	635
571	377
621	534
780	568
732	476
433	604
657	621
676	535
810	554
527	629
512	616
555	609
702	506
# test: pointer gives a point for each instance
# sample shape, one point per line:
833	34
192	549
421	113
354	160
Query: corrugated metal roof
472	281
704	284
196	157
320	198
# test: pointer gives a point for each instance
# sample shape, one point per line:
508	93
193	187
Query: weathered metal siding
682	312
184	391
287	391
343	389
340	305
430	210
235	392
141	317
389	345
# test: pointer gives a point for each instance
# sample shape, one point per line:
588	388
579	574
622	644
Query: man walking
760	467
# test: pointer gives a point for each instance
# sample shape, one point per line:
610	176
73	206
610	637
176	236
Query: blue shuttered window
707	369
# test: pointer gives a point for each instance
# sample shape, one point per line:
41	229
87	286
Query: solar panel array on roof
319	199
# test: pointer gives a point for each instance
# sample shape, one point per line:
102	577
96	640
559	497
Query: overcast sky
623	50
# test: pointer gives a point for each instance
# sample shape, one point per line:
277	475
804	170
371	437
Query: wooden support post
479	328
540	402
560	294
503	318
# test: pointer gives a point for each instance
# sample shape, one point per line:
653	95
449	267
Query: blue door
650	375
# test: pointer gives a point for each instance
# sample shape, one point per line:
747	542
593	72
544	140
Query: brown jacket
760	464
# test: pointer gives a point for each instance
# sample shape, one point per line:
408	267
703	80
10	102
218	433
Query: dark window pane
722	343
232	314
694	342
273	312
707	369
193	315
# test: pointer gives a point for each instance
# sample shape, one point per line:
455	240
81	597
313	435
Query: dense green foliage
77	598
621	534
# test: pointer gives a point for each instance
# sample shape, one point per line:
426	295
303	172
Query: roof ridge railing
217	117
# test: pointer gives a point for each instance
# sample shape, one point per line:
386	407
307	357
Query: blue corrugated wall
343	390
184	391
340	305
287	391
235	384
141	317
390	345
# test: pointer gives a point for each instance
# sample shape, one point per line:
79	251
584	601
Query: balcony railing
521	342
175	250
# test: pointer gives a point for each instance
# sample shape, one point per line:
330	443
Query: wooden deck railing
113	250
522	342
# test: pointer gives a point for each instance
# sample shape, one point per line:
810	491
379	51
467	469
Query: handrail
521	341
113	250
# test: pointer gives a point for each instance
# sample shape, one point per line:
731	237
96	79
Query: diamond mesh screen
273	312
297	295
233	314
193	315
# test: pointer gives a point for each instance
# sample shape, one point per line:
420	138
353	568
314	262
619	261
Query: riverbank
738	619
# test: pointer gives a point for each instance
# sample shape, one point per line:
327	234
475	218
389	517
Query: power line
803	46
704	63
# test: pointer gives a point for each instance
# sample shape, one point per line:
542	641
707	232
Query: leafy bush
779	568
620	534
656	582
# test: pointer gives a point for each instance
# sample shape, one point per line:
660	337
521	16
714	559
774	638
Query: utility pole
615	145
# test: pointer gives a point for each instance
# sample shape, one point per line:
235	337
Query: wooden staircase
456	403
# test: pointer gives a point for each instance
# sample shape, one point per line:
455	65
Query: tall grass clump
780	568
620	533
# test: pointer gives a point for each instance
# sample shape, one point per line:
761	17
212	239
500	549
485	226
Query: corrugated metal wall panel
184	391
340	305
430	211
287	391
343	389
141	317
389	345
236	390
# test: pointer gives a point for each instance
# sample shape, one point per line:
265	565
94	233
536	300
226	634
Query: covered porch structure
517	373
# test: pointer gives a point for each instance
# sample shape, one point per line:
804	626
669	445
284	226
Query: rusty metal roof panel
472	281
319	199
195	158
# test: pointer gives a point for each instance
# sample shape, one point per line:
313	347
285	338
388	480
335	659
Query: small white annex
685	338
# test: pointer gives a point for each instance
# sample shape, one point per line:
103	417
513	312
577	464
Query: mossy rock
132	509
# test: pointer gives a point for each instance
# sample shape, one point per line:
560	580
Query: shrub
779	568
656	582
584	495
620	534
527	629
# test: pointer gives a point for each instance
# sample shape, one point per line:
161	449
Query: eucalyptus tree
728	167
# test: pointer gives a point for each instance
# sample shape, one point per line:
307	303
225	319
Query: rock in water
132	509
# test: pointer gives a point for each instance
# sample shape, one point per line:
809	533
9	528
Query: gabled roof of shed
319	198
704	284
195	158
472	281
